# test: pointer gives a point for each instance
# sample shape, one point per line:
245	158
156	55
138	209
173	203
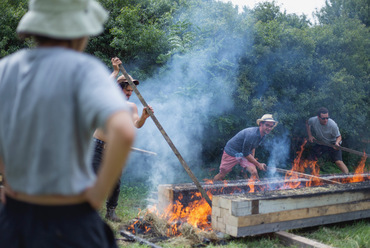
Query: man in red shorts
240	149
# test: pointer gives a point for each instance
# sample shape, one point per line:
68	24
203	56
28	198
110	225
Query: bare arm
145	115
120	137
139	121
250	158
338	140
115	63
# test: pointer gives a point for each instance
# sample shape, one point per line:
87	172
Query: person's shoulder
313	118
250	130
131	104
12	56
332	122
83	58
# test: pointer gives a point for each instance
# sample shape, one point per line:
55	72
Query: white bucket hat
267	117
63	19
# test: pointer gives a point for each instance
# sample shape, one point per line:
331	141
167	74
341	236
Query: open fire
194	210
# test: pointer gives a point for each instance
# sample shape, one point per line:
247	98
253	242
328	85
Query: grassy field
132	200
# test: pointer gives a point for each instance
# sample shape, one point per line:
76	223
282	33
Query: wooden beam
343	149
296	214
271	211
289	239
292	224
169	193
290	199
304	175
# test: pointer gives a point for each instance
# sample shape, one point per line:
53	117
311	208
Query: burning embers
196	213
182	204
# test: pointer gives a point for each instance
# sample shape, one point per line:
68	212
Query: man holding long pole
327	132
240	149
100	138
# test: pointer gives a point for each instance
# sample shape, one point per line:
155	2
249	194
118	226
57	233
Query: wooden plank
300	223
165	197
270	206
187	190
281	210
221	187
289	239
276	201
303	213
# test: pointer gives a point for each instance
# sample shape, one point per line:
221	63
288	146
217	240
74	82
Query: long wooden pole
343	149
303	175
166	137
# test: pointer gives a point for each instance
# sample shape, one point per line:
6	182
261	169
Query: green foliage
136	33
11	13
288	67
353	9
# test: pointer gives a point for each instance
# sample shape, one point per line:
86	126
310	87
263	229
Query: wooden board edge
303	213
289	239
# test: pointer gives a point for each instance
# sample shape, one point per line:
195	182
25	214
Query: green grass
354	234
132	200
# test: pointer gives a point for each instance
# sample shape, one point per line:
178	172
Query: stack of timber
170	193
271	211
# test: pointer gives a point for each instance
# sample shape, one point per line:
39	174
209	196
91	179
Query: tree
11	13
354	9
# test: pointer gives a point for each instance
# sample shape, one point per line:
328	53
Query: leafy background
210	70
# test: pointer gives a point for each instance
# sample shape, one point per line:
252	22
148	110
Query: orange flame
358	177
251	184
198	210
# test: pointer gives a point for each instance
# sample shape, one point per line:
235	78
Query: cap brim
275	122
136	82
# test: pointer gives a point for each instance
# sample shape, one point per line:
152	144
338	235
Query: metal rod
303	174
166	137
342	148
138	239
143	151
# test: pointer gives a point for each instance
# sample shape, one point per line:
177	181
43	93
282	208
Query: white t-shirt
326	133
51	101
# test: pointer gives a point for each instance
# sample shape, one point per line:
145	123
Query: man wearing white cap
240	149
52	98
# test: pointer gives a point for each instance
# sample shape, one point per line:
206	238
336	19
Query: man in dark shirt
240	149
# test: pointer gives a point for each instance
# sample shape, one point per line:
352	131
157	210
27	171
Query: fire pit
271	211
249	207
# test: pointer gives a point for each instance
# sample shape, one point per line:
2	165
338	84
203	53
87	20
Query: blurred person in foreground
323	129
52	98
101	140
241	148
